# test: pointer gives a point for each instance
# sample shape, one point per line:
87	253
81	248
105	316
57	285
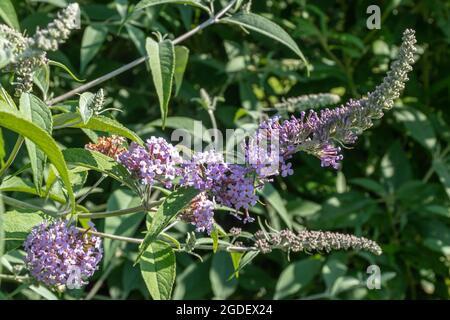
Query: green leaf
370	185
5	97
2	149
192	282
273	197
236	259
173	204
418	126
138	38
442	169
192	126
158	270
265	27
99	162
93	38
8	14
148	3
221	269
125	225
17	184
245	260
162	65
97	123
395	167
333	269
65	68
84	106
36	111
57	3
17	225
15	122
296	276
215	239
181	60
41	78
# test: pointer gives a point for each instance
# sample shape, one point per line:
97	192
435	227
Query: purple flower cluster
55	251
268	151
202	211
230	185
156	162
204	171
237	188
322	133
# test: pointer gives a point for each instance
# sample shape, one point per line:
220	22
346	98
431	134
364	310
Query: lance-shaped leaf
17	184
17	225
274	199
158	270
99	162
148	3
177	201
36	111
162	65
85	106
181	60
8	14
93	38
16	122
97	123
266	27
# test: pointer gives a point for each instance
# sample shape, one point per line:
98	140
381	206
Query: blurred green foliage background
394	186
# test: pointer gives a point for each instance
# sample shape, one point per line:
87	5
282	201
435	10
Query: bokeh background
393	187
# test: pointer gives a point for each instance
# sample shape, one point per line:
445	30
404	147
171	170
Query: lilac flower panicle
158	161
29	53
321	133
204	170
268	152
236	189
309	101
58	31
202	214
313	241
54	249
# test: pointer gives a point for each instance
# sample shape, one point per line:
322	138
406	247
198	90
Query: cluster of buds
306	240
29	53
309	101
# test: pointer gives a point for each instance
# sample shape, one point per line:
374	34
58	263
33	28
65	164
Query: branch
99	215
138	61
229	248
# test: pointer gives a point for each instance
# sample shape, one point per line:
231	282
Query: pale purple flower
204	170
55	249
202	214
158	161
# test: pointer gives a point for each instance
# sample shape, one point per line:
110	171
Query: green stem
11	277
23	205
106	214
229	248
12	156
67	125
112	236
100	281
103	177
213	119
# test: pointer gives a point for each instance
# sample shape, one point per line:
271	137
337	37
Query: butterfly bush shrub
63	247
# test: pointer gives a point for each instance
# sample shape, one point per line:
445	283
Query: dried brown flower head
111	146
